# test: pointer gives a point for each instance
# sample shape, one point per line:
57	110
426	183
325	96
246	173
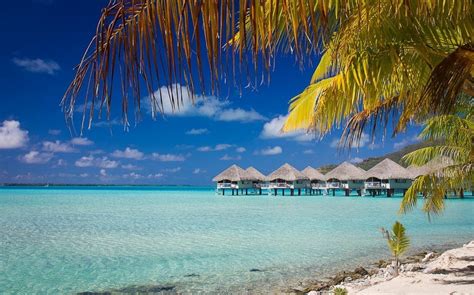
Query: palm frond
399	242
142	45
448	79
435	186
424	155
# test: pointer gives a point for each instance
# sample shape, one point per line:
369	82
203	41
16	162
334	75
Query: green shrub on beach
340	291
397	241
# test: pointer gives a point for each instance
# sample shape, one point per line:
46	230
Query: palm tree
397	241
382	60
379	54
455	134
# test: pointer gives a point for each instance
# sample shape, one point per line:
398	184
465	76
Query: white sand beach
450	273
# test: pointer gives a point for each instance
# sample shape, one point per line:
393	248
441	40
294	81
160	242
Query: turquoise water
58	240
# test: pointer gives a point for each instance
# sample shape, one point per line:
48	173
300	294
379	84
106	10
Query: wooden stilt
461	193
282	191
333	192
347	192
292	192
299	192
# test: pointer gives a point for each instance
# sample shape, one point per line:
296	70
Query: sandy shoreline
451	272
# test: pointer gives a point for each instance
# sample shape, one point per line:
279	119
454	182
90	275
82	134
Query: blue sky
46	39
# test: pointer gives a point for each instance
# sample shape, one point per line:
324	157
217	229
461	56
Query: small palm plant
398	242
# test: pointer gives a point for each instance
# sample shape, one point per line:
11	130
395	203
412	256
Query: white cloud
131	167
205	149
113	122
240	115
270	151
197	131
54	131
104	162
86	161
57	147
198	171
128	153
35	157
356	160
168	157
406	141
84	175
81	141
37	65
90	161
308	152
173	170
240	149
226	157
364	140
133	175
373	146
222	146
272	129
103	172
218	147
204	106
96	152
12	136
157	175
60	163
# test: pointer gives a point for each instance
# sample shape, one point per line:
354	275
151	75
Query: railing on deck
226	185
278	185
334	185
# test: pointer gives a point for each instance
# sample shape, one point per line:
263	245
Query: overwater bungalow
387	176
431	167
285	178
317	180
257	178
234	179
435	166
346	177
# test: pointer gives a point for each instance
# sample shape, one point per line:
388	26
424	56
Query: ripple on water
66	241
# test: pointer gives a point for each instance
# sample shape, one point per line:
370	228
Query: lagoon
76	239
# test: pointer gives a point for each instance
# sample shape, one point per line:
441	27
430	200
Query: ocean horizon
190	240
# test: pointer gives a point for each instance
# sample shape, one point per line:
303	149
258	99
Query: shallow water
67	240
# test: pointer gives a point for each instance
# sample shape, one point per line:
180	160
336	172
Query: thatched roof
288	173
346	171
254	174
233	173
430	167
388	169
313	174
